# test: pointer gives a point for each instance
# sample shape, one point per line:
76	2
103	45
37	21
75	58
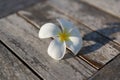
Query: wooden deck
23	56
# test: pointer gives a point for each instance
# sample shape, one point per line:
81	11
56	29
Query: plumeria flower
65	36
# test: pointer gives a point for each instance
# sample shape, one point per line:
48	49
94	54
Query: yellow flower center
64	36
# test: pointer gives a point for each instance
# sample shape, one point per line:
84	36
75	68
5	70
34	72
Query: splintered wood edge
111	69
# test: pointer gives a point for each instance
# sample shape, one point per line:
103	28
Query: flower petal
57	49
75	32
65	24
48	30
75	43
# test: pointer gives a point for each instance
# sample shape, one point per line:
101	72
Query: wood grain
8	7
11	68
111	6
110	72
91	17
22	38
96	49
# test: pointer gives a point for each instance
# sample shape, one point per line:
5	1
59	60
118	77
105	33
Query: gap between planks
90	78
21	60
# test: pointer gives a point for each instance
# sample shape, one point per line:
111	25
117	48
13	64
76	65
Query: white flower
65	36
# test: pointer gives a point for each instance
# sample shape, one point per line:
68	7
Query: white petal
75	43
65	24
48	30
75	32
57	49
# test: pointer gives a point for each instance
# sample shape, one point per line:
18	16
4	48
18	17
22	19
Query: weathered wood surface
111	6
110	72
91	17
11	68
96	48
11	6
22	38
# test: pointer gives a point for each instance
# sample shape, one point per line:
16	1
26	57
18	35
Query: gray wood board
11	6
11	68
111	6
22	38
96	49
110	72
91	17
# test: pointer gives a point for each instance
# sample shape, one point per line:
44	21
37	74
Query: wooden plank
11	6
109	72
111	6
11	68
95	47
91	17
22	38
